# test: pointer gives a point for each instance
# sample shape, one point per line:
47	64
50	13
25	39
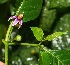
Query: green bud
18	38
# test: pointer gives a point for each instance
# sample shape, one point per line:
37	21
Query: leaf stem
41	42
25	44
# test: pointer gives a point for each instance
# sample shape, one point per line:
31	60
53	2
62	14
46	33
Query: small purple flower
18	19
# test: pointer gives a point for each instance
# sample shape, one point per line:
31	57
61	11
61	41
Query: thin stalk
8	34
25	44
6	53
40	42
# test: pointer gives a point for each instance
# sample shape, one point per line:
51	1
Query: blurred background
52	18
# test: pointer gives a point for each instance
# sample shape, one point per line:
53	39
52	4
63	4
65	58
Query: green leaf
30	8
38	33
55	57
58	3
47	19
54	35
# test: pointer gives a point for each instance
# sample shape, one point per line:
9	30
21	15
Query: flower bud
18	38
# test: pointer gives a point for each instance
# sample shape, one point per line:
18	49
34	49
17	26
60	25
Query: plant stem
6	53
8	34
25	44
7	38
40	43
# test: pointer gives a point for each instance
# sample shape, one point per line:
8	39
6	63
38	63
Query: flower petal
20	22
15	22
12	17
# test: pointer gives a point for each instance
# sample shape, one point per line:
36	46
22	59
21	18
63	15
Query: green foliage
58	3
63	25
3	1
55	57
30	8
47	18
54	35
38	33
52	18
26	56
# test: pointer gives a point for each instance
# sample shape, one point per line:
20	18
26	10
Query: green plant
30	9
